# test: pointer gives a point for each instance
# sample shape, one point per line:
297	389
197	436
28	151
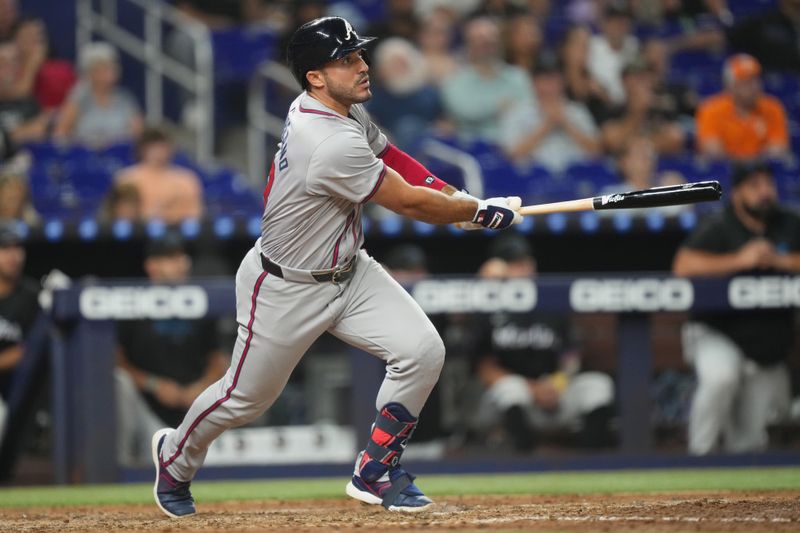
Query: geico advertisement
465	296
621	295
764	292
157	302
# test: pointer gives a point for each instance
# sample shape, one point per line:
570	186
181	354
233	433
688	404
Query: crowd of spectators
546	84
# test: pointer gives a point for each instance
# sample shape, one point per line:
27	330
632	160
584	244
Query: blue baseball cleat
172	496
395	490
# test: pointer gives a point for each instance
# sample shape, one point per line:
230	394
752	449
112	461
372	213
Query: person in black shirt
772	37
19	308
738	357
163	365
19	305
529	367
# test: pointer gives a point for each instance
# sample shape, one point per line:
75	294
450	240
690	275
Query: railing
264	124
83	344
100	18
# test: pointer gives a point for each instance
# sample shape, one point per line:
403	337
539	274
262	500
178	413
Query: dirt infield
729	511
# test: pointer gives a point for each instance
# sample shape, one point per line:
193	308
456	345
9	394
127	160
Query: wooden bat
687	193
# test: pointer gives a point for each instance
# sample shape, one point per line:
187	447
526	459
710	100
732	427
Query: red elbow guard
410	169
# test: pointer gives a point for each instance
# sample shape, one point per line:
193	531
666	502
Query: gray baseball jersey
325	170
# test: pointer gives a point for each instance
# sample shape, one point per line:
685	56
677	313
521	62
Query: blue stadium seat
239	51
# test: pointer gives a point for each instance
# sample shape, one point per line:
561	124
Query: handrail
147	49
260	122
469	166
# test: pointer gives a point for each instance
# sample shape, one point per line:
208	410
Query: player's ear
315	79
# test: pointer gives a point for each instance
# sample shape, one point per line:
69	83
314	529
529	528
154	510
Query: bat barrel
688	193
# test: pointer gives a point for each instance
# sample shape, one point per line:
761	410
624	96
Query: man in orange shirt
742	122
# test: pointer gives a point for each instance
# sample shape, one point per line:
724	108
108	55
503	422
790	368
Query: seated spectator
530	368
15	200
523	41
580	86
640	117
435	38
98	112
123	202
168	192
19	308
402	100
637	166
742	122
739	358
612	49
20	116
478	94
550	131
400	21
673	99
48	79
162	365
771	36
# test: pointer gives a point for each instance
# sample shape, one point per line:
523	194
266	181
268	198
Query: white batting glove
498	213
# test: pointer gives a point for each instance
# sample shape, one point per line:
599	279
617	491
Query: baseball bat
686	193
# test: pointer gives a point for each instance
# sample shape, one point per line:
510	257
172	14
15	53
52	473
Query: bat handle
584	204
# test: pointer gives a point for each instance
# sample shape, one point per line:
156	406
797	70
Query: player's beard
348	95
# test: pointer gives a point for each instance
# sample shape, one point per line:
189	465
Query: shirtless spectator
168	192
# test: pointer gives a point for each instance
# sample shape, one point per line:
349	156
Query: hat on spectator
744	170
9	234
741	67
170	243
511	248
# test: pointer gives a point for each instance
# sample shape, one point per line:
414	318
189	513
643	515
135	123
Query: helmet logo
350	31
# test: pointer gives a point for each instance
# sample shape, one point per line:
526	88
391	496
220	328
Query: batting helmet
321	41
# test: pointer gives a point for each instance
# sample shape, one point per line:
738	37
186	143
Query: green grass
546	483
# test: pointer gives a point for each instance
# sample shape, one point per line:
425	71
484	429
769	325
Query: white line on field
607	518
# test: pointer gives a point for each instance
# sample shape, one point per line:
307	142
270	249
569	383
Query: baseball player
308	274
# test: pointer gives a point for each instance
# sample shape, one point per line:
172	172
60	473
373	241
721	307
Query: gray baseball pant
736	399
278	322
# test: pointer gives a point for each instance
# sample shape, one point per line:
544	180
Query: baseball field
743	499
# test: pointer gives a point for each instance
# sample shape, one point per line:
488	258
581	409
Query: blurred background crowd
551	100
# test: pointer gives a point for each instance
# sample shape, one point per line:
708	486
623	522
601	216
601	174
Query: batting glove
498	213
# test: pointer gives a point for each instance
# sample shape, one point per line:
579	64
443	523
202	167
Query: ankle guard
393	427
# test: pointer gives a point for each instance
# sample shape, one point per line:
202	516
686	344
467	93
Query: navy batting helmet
321	41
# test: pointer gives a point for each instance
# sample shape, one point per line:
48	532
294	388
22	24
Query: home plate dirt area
768	511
